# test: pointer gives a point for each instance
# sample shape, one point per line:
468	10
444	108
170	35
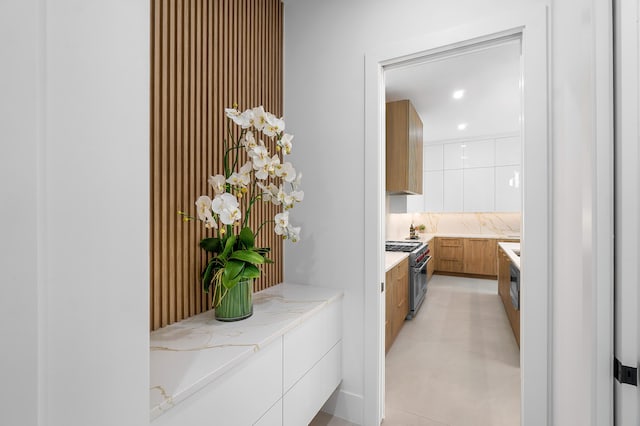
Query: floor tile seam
413	413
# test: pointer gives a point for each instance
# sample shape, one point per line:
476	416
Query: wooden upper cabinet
480	256
404	148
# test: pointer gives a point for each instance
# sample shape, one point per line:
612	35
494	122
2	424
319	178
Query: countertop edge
508	250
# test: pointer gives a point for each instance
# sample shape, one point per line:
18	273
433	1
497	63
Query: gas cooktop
405	246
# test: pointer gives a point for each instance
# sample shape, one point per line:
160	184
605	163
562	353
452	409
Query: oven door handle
423	264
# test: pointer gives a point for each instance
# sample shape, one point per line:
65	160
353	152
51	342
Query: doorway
457	358
531	27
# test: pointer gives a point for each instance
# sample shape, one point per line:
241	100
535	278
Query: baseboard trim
346	405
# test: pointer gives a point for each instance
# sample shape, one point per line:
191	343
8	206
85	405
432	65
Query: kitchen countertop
508	248
391	259
190	354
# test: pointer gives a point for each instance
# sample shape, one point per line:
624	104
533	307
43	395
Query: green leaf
246	238
263	250
213	245
207	276
250	271
233	269
228	246
247	256
231	283
267	260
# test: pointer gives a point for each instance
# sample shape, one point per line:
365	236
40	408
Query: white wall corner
346	405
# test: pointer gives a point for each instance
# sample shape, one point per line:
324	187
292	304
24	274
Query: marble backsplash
397	225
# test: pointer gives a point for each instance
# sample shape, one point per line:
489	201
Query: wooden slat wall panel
205	55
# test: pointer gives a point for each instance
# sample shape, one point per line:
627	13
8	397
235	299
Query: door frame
531	24
627	204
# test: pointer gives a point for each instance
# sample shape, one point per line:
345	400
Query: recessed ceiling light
458	94
462	126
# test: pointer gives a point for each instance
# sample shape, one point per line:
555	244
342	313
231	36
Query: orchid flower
259	118
239	118
286	172
269	193
293	233
296	182
217	182
282	221
242	178
267	167
273	125
248	141
246	119
203	206
226	205
285	143
259	155
297	196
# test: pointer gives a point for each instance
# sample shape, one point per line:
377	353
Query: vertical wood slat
205	55
162	238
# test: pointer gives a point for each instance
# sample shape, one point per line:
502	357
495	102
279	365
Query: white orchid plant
264	176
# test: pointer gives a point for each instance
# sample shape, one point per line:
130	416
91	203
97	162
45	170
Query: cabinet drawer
450	252
224	401
450	242
310	341
303	401
447	265
273	417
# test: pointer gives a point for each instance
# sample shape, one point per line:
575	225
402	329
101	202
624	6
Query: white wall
19	127
325	44
75	168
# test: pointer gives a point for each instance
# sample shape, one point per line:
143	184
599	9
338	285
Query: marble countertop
188	355
426	237
508	248
392	258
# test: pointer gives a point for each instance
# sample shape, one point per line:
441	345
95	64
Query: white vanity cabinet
276	368
312	365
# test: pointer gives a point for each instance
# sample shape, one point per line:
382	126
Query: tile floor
455	364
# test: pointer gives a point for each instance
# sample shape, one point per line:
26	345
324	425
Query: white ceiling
491	103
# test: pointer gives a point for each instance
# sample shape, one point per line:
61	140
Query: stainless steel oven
419	258
514	288
417	286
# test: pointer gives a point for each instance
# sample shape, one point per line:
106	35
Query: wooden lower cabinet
397	301
504	286
480	256
450	254
388	329
470	256
431	266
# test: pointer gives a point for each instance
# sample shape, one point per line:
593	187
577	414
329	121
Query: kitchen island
509	283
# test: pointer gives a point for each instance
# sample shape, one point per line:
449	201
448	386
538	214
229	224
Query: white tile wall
479	189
